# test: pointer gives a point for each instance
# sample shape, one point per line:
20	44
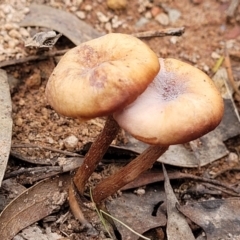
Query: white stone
173	39
174	15
24	32
81	14
102	18
115	22
148	15
162	18
14	34
88	8
215	55
140	191
70	142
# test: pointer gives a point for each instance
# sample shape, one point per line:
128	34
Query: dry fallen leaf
43	39
63	22
32	205
5	122
137	212
177	226
219	218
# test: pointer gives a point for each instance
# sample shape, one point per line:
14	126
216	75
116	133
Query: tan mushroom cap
101	76
180	105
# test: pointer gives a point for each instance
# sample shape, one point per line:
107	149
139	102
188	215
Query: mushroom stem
95	153
128	173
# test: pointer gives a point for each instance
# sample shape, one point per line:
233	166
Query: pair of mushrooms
159	101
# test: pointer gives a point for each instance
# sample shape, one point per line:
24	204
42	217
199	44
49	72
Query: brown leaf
5	122
66	23
32	205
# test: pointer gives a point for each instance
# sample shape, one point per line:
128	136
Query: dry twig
161	33
151	177
28	145
232	8
36	170
33	58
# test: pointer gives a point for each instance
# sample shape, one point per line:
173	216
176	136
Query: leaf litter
141	213
33	204
219	218
183	156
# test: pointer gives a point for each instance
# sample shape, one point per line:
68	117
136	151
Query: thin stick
33	58
161	33
152	177
226	170
209	185
35	170
29	145
232	8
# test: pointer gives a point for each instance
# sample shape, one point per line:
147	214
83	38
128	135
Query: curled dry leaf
5	122
32	205
63	22
43	40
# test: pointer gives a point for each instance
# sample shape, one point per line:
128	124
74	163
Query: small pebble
140	191
21	102
19	121
162	18
49	140
81	14
13	43
14	34
88	8
115	22
85	132
148	15
173	39
155	11
24	32
174	15
108	27
102	18
141	22
9	26
206	68
215	55
233	157
117	4
70	142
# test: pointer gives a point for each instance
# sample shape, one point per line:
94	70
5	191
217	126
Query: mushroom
97	78
180	105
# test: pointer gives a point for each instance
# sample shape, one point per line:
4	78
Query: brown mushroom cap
180	105
101	76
